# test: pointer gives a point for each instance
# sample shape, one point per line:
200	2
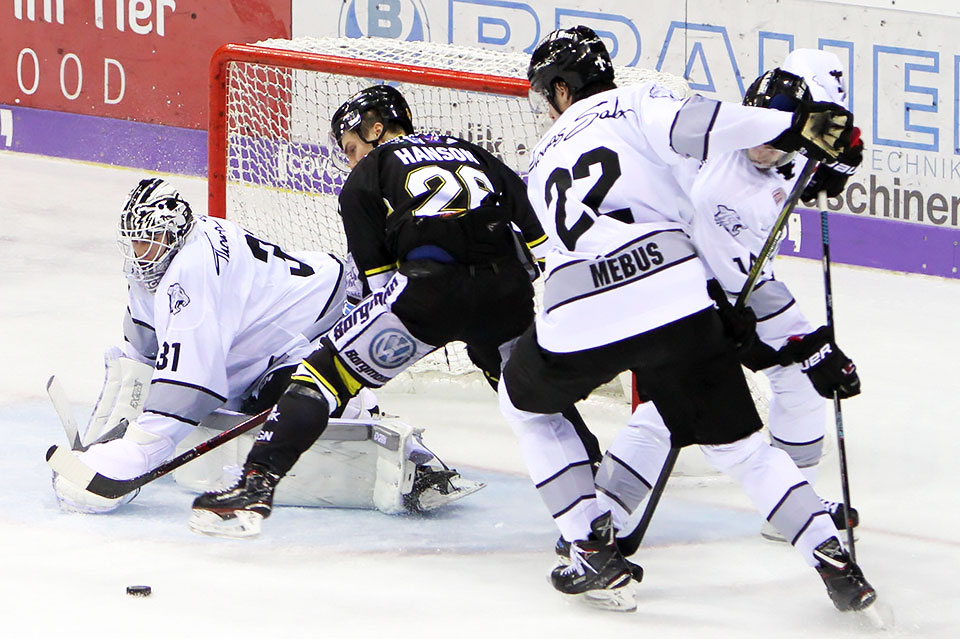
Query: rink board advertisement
114	64
143	60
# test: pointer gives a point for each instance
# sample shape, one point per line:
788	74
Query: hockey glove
824	363
740	326
820	130
832	176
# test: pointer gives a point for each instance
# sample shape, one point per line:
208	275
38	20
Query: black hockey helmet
576	55
777	89
385	100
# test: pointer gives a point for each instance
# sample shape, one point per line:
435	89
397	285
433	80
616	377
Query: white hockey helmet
153	226
821	71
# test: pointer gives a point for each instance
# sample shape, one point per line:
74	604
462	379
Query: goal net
272	169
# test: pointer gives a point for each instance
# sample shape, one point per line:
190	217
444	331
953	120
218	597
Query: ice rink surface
477	569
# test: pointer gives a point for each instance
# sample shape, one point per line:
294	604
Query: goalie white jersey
609	184
229	307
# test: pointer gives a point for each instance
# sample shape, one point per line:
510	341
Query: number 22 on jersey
561	179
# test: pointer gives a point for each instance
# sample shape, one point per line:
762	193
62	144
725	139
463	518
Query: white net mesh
281	181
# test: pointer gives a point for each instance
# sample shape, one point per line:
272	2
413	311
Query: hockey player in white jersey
625	290
737	197
217	319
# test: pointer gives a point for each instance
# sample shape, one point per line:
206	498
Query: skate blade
622	599
879	615
242	524
432	499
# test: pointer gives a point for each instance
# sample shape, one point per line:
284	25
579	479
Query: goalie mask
780	90
389	107
153	226
577	56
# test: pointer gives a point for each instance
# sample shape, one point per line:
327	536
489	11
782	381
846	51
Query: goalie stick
65	463
58	397
631	543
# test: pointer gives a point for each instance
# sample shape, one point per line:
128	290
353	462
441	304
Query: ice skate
562	548
436	487
834	508
597	570
239	510
846	585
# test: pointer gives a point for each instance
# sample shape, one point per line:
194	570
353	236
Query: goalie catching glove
820	130
824	363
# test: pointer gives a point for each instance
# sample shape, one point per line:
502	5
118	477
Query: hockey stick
841	446
65	463
630	543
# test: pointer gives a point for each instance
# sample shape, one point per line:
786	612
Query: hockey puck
139	591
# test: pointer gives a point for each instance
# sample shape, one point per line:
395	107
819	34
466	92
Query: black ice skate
562	548
436	487
597	570
847	587
239	510
835	508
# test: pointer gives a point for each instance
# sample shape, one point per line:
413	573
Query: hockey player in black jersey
429	220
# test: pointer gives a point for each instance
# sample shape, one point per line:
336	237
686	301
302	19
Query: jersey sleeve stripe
333	292
179	418
189	385
690	131
537	242
380	269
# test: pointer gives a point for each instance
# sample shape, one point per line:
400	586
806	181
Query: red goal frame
299	60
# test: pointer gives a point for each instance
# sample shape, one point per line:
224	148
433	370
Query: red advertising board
143	60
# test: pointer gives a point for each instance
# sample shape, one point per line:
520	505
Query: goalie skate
433	488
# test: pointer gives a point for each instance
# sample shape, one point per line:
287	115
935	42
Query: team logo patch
729	220
178	298
392	348
779	195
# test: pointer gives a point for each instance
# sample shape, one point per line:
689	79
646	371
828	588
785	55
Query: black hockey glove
824	363
820	130
832	176
740	326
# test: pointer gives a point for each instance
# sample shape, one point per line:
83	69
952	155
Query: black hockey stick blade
65	463
766	253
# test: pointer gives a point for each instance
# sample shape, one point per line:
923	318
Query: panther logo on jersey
729	220
392	348
178	298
